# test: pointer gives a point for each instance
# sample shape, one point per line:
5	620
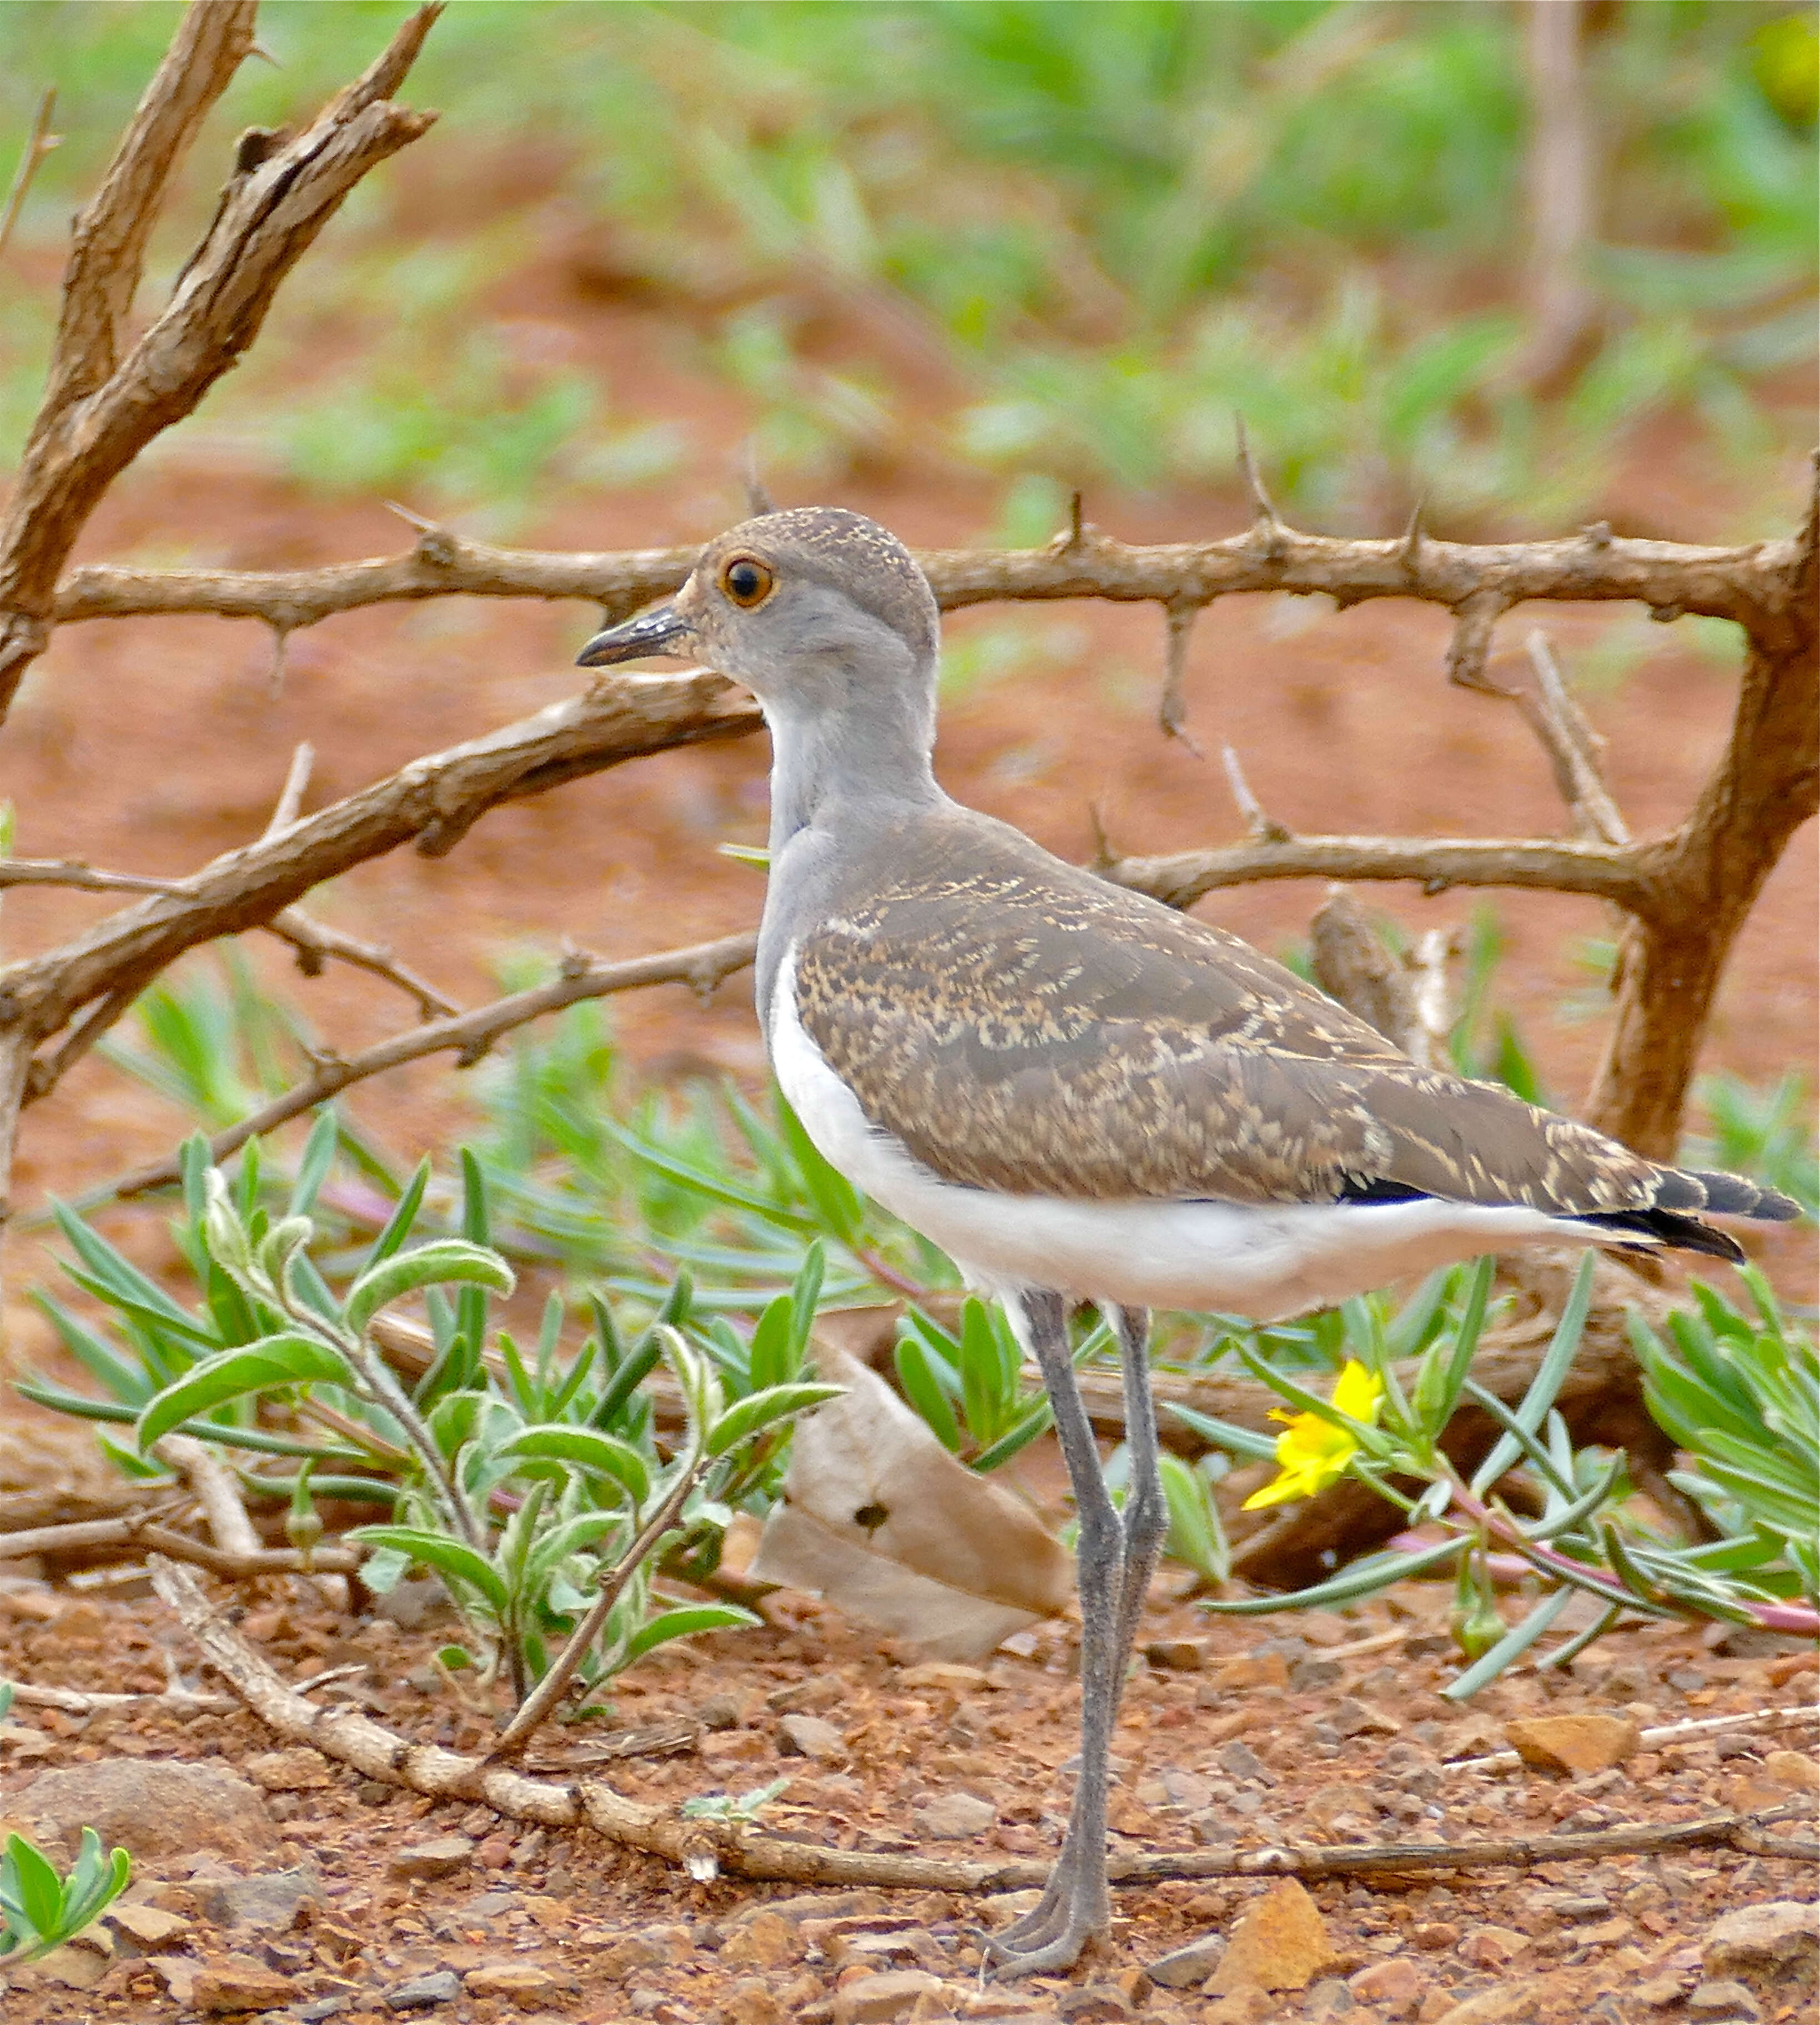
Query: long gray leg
1114	1564
1146	1514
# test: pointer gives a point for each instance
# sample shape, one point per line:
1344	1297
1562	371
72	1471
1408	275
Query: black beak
654	632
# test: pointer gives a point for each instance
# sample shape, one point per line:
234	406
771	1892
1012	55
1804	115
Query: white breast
1267	1260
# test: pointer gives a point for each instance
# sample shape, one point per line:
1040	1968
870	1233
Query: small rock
1395	1987
419	1993
820	1691
873	2000
68	1967
1329	1998
1280	1943
1491	1947
720	1712
813	1736
1575	1744
1244	2006
1309	1676
1782	1934
1097	2003
152	1807
1434	1934
953	1817
1175	1655
1265	1668
146	1928
177	1973
1353	1717
766	1941
1660	1990
750	2003
298	1770
1731	1999
440	1856
958	1680
1239	1761
1505	2005
1187	1968
268	1903
522	1983
1792	1769
228	1986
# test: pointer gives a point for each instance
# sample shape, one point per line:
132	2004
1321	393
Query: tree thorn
1410	553
1264	829
1172	707
1265	520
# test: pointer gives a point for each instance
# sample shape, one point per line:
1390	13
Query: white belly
1267	1260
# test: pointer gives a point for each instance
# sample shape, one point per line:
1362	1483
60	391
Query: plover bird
1078	1094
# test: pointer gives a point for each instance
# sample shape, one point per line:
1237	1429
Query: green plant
1743	1397
533	1483
1767	1133
39	1909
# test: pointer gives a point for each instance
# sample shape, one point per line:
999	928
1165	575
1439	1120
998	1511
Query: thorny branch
1684	896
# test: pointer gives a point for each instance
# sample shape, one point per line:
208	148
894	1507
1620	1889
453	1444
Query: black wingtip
1670	1229
1724	1195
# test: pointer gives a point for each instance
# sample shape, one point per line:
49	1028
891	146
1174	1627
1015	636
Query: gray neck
867	753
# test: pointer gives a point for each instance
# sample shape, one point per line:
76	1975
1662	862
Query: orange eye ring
745	581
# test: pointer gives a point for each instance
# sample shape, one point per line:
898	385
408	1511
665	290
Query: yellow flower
1314	1452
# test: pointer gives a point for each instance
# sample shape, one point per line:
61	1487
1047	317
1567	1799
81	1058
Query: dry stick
70	1701
707	1847
1172	706
1261	827
215	1489
105	399
134	1533
38	144
1574	750
703	965
83	878
315	943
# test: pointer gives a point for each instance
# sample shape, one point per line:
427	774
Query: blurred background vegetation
1057	242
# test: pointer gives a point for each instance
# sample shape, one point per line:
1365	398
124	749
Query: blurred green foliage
1099	225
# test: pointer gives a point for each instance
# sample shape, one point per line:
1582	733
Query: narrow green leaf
453	1559
1362	1577
842	1207
443	1261
399	1224
1222	1433
286	1359
686	1623
588	1448
1514	1642
318	1158
1546	1382
34	1888
923	1391
745	1417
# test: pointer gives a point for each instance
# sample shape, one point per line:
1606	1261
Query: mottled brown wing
1025	1027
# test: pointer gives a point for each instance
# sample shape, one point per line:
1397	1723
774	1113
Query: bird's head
810	609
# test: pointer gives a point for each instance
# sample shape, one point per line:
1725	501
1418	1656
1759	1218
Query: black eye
747	582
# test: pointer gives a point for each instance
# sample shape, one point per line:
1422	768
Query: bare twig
1261	827
1433	863
469	1034
103	403
215	1489
39	143
71	1701
47	1072
1172	707
136	1533
707	1847
1576	751
82	878
289	805
315	942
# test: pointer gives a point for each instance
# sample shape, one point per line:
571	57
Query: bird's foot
1073	1912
